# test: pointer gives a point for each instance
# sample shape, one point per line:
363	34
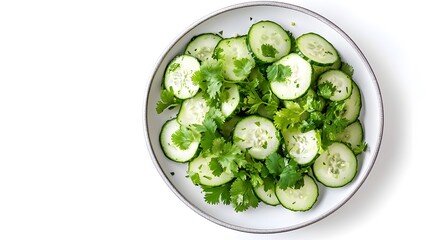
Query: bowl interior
236	20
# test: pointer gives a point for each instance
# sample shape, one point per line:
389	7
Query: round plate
236	20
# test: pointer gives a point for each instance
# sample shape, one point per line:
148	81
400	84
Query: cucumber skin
258	61
168	155
296	50
310	207
342	185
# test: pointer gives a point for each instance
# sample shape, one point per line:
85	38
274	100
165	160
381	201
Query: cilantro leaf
326	89
259	97
184	137
218	53
255	179
311	101
215	195
217	115
210	77
289	115
289	173
334	122
291	176
268	50
215	167
271	103
242	195
168	100
252	101
269	184
243	67
361	147
195	178
275	164
347	69
278	73
314	120
228	155
208	134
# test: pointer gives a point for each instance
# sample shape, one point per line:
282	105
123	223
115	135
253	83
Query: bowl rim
208	17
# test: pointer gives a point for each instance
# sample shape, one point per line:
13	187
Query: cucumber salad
262	117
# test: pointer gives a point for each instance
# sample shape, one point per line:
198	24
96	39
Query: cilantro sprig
287	171
167	101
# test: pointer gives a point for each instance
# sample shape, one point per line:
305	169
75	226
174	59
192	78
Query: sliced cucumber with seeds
268	41
257	135
302	147
299	81
171	150
231	99
202	46
335	167
267	194
178	76
199	168
318	70
353	105
352	135
339	81
316	49
193	110
237	60
301	199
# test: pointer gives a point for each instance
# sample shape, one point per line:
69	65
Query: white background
73	158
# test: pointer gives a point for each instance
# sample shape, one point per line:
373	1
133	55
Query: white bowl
235	20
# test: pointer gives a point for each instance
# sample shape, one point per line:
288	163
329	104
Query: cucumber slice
202	46
268	41
171	150
316	49
302	147
340	81
335	167
232	99
269	197
178	76
237	60
318	70
353	105
352	135
199	168
297	83
301	199
193	110
257	135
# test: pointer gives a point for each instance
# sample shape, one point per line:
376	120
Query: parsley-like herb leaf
289	115
208	134
184	137
278	73
242	195
326	89
291	176
275	164
168	100
361	147
228	155
215	195
334	122
347	69
210	77
289	173
268	50
243	67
